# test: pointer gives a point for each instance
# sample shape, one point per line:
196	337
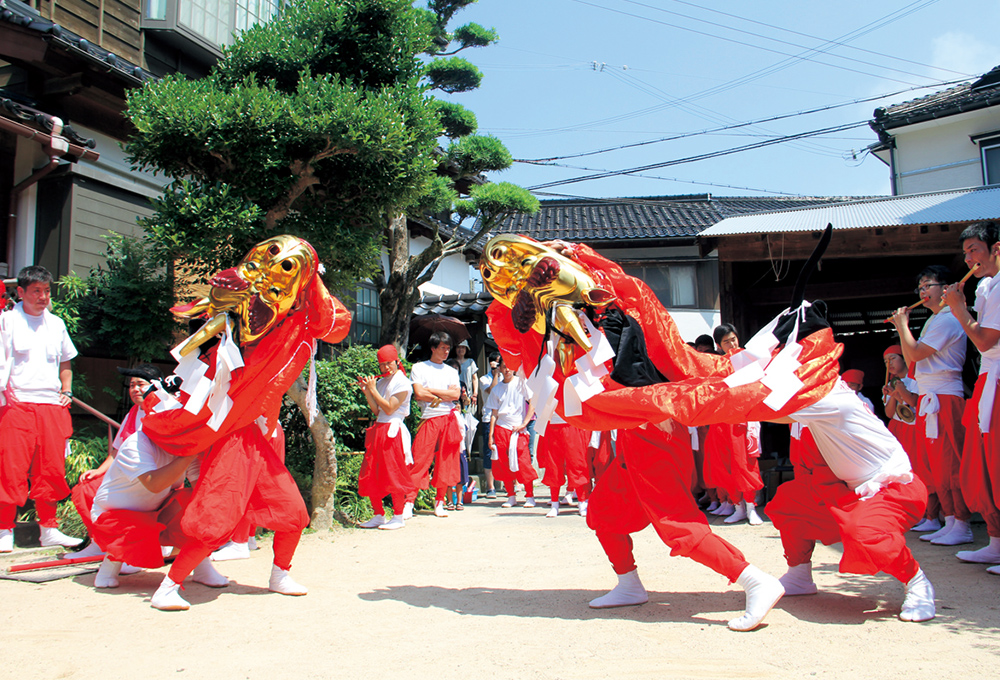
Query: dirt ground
500	593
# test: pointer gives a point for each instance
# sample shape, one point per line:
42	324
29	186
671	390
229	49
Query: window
366	324
212	21
991	161
674	284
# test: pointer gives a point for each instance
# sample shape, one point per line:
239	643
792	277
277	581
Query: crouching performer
138	508
603	354
865	497
231	398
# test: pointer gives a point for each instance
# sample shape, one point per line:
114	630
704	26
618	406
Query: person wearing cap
387	442
140	380
467	370
36	379
980	468
855	379
438	441
939	355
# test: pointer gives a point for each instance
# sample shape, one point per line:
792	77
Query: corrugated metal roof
940	207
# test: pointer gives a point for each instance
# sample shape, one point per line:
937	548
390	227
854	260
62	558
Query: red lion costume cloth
603	353
230	402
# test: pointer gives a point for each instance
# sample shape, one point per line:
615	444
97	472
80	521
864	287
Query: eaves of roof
962	98
939	207
459	305
19	17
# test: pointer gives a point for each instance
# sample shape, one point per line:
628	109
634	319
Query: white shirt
941	372
33	348
854	443
467	373
484	394
438	377
390	386
119	439
510	402
988	313
121	488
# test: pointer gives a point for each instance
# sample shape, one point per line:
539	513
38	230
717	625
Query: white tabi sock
918	605
762	591
107	574
629	591
168	598
949	522
281	582
960	533
207	575
739	514
554	511
989	554
798	580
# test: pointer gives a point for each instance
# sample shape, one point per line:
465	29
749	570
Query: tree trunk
324	485
399	295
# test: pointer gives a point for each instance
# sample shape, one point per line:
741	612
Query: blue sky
576	76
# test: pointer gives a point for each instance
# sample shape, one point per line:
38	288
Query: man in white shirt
436	387
980	472
939	355
36	378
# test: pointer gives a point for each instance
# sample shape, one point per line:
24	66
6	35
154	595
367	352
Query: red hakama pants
501	466
728	466
562	452
649	482
438	441
33	447
241	477
383	470
817	506
135	537
980	469
944	455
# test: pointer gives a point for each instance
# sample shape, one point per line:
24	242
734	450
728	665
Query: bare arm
166	476
913	349
65	383
983	338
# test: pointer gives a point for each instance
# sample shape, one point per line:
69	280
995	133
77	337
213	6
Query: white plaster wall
453	275
694	322
938	155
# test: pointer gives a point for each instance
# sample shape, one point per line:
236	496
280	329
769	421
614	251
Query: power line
700	157
723	128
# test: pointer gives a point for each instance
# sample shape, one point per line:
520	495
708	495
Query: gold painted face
261	290
534	280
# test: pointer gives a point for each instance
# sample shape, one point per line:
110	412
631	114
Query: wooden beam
937	239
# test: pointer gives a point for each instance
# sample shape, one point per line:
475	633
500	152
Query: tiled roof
459	305
983	93
651	218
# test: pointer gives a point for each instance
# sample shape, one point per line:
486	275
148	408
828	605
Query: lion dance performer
269	312
604	354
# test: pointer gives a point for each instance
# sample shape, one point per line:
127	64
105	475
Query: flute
361	378
960	283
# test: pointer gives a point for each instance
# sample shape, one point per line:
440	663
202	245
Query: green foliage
440	197
474	35
126	306
72	289
316	124
475	154
456	120
86	453
494	202
453	74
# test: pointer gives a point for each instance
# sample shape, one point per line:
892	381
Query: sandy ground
500	593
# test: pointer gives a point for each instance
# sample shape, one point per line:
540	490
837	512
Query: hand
901	317
953	296
88	475
368	383
65	400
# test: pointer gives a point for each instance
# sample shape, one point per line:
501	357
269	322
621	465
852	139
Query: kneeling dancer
858	490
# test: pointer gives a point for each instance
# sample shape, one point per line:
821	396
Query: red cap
388	353
894	349
853	376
